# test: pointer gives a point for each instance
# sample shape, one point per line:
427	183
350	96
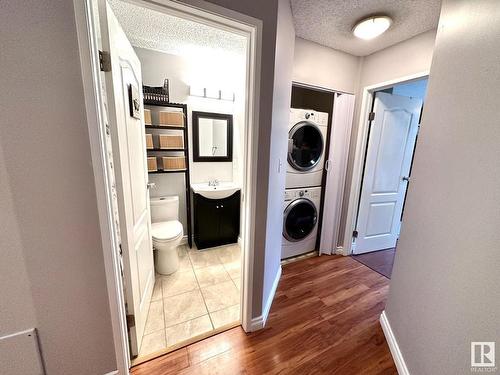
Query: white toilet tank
164	209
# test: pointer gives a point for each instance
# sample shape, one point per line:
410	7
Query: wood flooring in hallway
324	320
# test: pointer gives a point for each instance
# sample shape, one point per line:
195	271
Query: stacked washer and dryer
306	158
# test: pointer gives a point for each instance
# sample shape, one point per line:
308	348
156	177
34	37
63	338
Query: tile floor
203	295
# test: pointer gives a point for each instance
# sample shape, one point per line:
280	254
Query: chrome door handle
151	185
405	178
327	165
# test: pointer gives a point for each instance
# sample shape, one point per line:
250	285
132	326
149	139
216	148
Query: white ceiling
150	29
330	22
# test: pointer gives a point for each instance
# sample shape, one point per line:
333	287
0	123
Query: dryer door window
299	219
305	146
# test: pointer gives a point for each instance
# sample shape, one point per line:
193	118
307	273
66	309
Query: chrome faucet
213	182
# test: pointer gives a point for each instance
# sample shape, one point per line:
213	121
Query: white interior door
393	133
126	125
343	111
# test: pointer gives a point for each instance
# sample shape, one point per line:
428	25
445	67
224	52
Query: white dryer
306	148
300	221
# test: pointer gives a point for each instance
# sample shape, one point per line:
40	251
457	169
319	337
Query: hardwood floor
324	320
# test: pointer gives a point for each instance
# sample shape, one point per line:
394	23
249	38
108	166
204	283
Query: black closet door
207	219
306	146
229	228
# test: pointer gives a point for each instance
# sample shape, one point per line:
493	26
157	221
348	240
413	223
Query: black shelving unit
184	129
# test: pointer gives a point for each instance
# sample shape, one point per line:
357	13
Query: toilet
167	233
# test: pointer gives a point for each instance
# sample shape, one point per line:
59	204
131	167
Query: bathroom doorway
156	88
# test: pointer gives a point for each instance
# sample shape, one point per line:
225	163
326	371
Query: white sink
222	190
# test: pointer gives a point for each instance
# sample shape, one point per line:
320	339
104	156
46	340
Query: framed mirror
212	137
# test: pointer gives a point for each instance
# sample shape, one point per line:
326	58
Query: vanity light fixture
211	93
371	27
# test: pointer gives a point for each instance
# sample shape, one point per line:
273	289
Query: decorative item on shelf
156	95
152	164
147	117
174	163
171	118
149	141
168	141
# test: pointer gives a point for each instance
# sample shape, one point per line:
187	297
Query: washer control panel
292	194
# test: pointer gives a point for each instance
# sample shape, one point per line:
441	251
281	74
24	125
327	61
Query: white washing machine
306	148
300	221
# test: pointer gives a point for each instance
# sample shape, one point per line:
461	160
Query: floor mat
380	261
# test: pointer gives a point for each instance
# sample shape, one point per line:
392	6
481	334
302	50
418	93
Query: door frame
212	15
367	97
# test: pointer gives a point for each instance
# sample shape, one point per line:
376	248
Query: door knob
151	185
405	178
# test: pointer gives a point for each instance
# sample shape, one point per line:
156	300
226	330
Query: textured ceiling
330	22
150	29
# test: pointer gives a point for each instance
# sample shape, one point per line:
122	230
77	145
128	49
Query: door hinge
104	61
130	320
355	234
371	116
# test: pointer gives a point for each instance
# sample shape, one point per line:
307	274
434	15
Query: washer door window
305	146
299	219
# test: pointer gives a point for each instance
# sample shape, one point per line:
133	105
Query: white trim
361	144
339	250
397	356
92	84
260	321
112	373
207	13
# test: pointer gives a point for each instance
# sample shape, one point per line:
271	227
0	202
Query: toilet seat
166	231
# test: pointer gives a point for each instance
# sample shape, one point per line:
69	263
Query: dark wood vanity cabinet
216	221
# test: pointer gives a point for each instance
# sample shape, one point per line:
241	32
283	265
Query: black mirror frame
196	115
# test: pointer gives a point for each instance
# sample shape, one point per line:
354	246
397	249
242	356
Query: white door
393	133
126	125
335	165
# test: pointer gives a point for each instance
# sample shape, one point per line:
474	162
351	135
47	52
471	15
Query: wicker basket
149	141
174	162
171	141
170	118
152	164
147	117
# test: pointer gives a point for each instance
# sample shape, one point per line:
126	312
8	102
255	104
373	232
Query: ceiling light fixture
371	27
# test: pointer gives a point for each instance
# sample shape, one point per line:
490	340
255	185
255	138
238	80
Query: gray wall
54	270
322	66
285	39
444	287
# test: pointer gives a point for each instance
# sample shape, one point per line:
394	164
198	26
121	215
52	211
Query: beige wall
444	288
54	263
409	57
321	66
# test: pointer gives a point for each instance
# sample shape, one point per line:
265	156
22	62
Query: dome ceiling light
371	27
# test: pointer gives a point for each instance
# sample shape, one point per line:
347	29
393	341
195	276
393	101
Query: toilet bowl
166	232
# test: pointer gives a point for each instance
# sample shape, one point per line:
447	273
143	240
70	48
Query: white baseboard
112	373
339	250
260	321
393	345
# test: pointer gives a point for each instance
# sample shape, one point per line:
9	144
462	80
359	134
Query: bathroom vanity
216	214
